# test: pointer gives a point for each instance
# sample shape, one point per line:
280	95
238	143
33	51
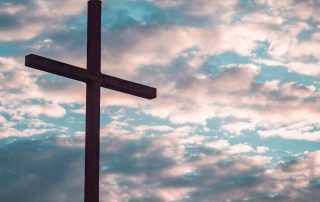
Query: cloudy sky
236	118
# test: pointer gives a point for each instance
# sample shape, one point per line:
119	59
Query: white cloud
36	17
160	128
186	99
132	48
312	69
10	9
160	169
262	149
240	148
274	3
50	110
214	9
302	130
263	18
219	144
238	127
58	8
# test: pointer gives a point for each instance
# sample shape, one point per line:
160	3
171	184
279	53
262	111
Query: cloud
237	127
36	17
54	111
185	97
233	93
142	185
206	177
219	144
171	161
302	130
240	148
157	168
53	174
132	48
292	19
215	10
262	149
15	77
145	128
262	18
290	8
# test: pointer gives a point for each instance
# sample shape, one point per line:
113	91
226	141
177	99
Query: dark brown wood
92	143
94	79
128	87
58	68
92	151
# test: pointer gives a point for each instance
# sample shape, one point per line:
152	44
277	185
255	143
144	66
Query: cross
94	79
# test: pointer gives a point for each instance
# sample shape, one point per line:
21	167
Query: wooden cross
94	79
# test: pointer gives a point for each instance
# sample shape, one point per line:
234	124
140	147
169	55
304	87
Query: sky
236	117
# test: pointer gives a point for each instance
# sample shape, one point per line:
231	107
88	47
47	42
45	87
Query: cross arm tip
28	59
58	68
153	94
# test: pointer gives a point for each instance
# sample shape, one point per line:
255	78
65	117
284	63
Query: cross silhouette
94	79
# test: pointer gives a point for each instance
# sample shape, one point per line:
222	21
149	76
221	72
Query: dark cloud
40	171
8	21
123	160
138	170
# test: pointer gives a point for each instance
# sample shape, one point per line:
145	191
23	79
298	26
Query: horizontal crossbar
59	68
80	74
128	87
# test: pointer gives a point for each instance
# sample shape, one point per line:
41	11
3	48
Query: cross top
94	79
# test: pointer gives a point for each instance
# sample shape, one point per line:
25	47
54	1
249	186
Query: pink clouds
302	130
144	171
186	96
214	9
209	171
218	144
230	93
36	17
237	127
176	162
141	48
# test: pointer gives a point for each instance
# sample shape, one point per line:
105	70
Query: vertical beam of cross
92	141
